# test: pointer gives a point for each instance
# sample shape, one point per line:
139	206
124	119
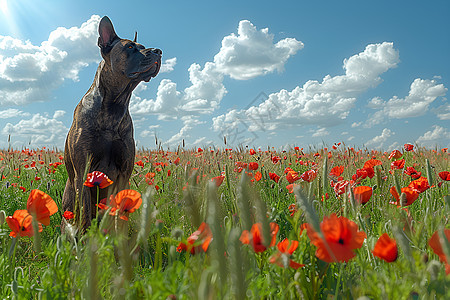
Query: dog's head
127	58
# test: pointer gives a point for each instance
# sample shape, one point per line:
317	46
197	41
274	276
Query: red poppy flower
99	179
445	175
199	150
41	206
252	152
435	244
395	155
363	173
290	188
285	248
409	147
21	223
124	203
386	248
68	215
413	173
420	185
340	187
362	194
292	209
276	159
139	163
398	164
309	175
257	176
253	166
340	237
198	241
372	163
218	180
274	177
255	237
411	196
292	176
337	171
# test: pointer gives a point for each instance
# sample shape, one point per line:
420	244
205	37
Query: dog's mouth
147	72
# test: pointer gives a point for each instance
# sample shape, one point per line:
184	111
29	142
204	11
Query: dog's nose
156	51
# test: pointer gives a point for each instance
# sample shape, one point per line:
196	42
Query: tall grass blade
92	292
307	207
192	207
429	173
243	202
214	218
36	235
238	267
325	175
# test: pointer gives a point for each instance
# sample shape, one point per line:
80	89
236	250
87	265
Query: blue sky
290	73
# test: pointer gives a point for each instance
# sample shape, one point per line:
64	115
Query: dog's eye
130	47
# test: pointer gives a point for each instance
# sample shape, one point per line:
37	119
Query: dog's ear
107	35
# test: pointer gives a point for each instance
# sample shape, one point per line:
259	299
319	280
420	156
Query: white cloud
151	131
168	65
58	114
320	132
443	112
166	104
29	73
378	141
252	53
189	124
248	54
200	141
438	136
421	94
12	113
39	131
325	103
206	91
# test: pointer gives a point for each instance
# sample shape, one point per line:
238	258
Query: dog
102	129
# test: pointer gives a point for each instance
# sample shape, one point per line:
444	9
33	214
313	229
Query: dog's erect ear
135	37
107	35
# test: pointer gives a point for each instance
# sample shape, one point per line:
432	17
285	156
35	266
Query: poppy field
208	223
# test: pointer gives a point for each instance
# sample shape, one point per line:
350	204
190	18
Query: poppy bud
2	217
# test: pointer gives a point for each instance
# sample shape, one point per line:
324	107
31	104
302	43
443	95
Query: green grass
138	259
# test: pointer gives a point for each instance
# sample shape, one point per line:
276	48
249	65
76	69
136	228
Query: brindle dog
102	128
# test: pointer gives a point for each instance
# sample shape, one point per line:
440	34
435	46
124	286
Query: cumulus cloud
421	94
168	65
59	114
189	124
378	141
12	113
443	112
39	131
320	132
438	136
252	53
324	103
30	72
248	54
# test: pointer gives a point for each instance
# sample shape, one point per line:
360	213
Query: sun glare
4	6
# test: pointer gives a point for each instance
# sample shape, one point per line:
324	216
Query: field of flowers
337	223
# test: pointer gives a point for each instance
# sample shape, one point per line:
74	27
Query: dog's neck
108	99
111	87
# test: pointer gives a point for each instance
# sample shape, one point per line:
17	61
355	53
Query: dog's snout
157	51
